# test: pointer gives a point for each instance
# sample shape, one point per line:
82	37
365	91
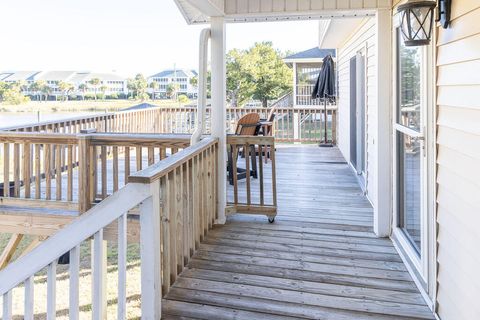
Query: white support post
218	111
383	168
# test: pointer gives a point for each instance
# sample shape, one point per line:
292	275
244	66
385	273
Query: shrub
183	99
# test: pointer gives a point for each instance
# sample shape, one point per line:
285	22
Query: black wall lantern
416	18
444	12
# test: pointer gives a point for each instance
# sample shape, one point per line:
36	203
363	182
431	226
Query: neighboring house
306	67
179	77
113	83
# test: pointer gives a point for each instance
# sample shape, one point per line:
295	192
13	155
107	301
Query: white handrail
202	86
73	234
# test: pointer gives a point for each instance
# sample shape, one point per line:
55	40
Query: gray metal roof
18	75
56	75
314	53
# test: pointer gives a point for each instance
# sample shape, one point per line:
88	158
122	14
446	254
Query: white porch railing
176	198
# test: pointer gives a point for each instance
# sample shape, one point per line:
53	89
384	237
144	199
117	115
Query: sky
123	36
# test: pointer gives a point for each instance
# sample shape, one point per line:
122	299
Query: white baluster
122	267
98	277
73	270
51	290
7	305
29	301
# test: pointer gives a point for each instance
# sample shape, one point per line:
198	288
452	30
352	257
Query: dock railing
176	200
303	123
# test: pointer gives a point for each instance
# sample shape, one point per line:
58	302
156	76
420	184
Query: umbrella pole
325	134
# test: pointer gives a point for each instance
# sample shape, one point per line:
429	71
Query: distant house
306	67
110	82
179	77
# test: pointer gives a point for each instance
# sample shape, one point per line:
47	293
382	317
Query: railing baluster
26	169
58	171
51	290
122	267
260	172
98	277
6	169
29	299
115	168
179	218
73	271
7	305
38	172
172	225
48	170
246	153
103	150
70	164
16	169
139	158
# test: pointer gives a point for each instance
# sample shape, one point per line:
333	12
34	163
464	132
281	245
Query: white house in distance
113	83
181	77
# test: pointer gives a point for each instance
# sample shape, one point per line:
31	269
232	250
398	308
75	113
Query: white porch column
383	136
218	111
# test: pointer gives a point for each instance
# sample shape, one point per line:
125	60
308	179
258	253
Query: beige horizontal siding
364	37
458	160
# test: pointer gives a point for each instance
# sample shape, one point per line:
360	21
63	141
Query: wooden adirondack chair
248	125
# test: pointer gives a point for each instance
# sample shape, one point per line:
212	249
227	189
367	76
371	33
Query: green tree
95	82
240	86
11	93
267	71
183	99
154	86
104	89
66	88
35	89
194	81
138	86
172	90
82	87
45	89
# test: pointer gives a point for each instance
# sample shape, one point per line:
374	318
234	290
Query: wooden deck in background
319	260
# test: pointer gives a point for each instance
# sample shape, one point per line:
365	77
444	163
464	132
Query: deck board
319	260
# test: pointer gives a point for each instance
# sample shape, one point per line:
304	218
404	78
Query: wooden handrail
177	206
160	169
71	235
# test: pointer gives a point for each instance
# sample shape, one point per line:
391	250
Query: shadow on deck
320	259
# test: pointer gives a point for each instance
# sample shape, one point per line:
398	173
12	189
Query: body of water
10	119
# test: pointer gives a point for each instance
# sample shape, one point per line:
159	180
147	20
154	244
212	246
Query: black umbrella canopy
325	85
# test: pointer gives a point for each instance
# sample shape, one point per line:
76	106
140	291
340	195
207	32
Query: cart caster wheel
271	219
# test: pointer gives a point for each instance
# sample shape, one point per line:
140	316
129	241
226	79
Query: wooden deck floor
319	260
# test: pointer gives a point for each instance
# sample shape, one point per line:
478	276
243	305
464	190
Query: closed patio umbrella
325	89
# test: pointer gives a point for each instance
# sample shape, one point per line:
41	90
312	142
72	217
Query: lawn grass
62	283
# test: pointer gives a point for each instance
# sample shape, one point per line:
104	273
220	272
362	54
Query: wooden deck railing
75	168
258	193
300	124
176	199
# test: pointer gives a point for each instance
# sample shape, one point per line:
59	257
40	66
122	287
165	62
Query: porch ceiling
200	11
334	32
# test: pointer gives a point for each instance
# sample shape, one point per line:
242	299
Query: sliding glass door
410	137
414	160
